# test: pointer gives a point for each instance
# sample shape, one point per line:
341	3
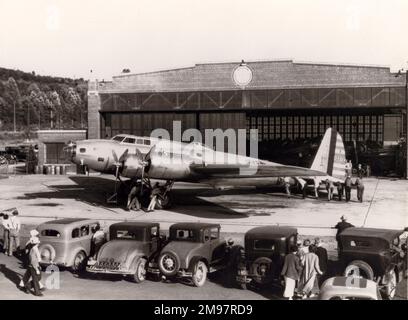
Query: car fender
194	260
70	261
133	260
135	255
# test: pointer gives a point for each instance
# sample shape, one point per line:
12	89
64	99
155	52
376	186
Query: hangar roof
265	75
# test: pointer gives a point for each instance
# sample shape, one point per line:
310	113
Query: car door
218	246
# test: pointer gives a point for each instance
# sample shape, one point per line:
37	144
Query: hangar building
290	103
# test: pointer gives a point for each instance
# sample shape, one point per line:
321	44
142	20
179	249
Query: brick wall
94	105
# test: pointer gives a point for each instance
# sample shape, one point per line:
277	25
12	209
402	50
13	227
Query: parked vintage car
66	242
264	255
374	254
132	245
193	250
349	288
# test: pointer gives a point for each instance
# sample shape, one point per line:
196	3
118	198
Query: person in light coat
311	269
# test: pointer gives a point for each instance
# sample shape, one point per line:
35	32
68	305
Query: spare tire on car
262	269
359	268
169	264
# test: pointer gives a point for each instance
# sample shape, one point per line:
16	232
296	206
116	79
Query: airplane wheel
164	202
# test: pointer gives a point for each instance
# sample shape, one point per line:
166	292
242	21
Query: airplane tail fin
331	155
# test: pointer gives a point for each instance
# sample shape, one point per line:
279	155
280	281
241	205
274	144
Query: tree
13	97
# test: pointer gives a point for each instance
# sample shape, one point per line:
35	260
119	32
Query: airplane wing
263	170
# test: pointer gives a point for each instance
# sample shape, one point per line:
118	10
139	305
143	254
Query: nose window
82	150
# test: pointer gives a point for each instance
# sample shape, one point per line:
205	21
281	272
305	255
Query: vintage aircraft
148	158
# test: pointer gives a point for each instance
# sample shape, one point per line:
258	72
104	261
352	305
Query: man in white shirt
15	226
6	232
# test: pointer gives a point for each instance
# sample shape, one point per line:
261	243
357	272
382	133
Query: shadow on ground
95	191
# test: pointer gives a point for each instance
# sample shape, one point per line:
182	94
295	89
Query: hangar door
223	121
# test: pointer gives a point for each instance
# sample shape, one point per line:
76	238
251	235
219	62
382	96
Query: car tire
200	271
140	270
168	264
358	268
390	284
79	263
259	277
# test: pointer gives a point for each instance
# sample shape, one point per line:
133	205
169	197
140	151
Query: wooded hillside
41	102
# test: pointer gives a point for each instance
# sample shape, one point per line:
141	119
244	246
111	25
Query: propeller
119	162
143	163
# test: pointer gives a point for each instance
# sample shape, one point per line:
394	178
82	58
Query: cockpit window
146	142
118	138
139	141
129	140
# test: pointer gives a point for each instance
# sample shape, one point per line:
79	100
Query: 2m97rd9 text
224	309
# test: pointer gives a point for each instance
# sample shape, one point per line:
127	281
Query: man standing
321	252
340	190
347	186
33	269
316	186
330	189
98	239
6	233
15	226
360	188
286	181
291	272
349	168
155	193
341	226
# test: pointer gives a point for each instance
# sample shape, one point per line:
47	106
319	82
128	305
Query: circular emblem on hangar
242	75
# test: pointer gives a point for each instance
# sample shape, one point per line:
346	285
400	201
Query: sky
71	37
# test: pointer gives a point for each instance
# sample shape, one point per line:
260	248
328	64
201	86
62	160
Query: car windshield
129	235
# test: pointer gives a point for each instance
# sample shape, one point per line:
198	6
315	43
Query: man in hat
341	226
15	226
33	238
33	268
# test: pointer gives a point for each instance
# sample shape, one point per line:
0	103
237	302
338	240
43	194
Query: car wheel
199	274
140	274
79	262
391	284
262	269
359	268
243	286
168	264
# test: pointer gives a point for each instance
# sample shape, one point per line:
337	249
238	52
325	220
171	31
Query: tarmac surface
44	197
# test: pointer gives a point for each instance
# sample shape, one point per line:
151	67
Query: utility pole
14	115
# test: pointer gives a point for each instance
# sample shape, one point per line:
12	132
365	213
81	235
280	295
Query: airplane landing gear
118	193
164	200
